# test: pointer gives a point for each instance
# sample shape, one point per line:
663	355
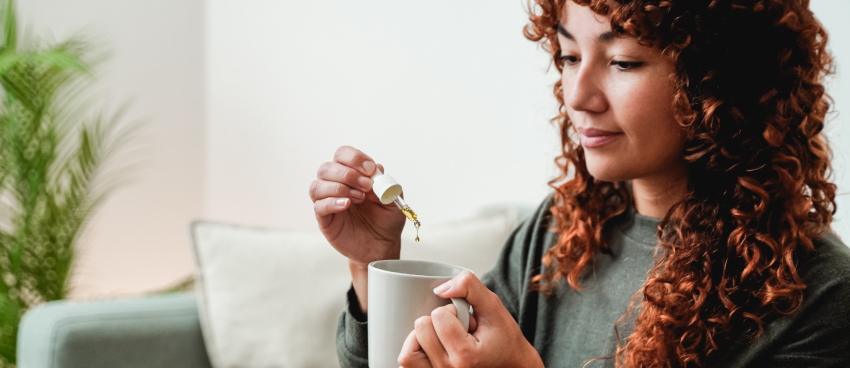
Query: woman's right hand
350	215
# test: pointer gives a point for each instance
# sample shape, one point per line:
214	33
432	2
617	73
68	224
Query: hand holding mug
400	291
440	341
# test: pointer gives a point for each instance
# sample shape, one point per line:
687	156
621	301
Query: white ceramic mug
400	291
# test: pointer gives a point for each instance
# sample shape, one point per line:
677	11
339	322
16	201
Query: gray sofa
156	331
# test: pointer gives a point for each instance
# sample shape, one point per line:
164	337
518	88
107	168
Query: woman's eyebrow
603	38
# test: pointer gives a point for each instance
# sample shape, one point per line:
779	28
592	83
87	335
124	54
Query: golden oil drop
412	217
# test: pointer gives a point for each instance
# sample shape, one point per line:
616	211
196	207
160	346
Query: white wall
831	14
138	241
452	99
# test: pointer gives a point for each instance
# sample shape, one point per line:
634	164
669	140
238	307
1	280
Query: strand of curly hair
750	99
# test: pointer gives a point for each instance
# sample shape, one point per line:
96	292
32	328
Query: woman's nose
585	90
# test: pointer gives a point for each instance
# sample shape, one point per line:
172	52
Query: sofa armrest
156	331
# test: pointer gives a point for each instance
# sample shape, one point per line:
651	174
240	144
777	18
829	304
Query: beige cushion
271	298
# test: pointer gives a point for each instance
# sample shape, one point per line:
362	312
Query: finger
430	343
330	206
337	172
473	323
467	286
354	158
371	196
412	355
321	189
450	331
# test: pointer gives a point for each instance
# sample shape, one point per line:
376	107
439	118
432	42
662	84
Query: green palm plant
50	155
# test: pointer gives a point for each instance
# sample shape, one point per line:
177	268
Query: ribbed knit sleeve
352	335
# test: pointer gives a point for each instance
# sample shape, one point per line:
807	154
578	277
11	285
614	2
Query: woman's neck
654	195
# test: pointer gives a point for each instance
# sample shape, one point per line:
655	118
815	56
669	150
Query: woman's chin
608	173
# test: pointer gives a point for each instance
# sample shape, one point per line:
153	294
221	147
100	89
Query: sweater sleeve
352	335
518	262
504	279
815	335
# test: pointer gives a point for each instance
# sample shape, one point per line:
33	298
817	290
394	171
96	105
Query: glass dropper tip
405	209
400	203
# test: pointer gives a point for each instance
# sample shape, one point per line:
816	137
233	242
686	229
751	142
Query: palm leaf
7	60
9	317
10	25
52	150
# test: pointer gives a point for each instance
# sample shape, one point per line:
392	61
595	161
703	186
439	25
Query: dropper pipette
388	190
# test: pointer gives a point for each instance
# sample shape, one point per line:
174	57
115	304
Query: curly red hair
750	99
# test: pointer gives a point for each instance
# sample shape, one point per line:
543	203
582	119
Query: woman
694	226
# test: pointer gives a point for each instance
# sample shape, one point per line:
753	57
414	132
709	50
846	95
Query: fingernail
341	202
365	183
442	288
356	193
368	166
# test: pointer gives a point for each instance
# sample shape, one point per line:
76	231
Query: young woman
690	226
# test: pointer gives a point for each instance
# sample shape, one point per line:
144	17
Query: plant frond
10	25
53	152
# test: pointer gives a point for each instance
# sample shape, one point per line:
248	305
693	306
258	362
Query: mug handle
462	311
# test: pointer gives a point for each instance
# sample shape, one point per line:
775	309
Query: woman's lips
598	140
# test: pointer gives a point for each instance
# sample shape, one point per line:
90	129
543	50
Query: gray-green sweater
572	327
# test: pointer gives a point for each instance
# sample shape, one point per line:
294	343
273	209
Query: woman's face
623	91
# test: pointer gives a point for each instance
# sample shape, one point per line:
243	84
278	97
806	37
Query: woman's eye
626	65
568	59
621	65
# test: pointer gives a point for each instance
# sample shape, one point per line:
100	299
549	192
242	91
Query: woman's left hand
439	341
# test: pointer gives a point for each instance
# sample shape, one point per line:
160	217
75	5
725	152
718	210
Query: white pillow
271	298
